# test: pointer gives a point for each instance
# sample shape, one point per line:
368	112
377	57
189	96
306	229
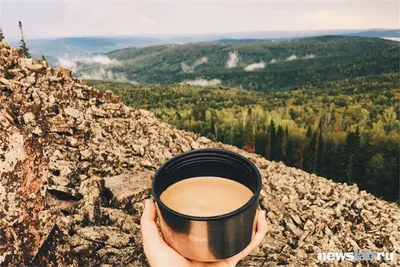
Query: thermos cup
208	238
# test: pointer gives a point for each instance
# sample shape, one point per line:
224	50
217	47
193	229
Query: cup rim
215	217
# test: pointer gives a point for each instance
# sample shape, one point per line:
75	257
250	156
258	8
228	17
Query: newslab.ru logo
356	255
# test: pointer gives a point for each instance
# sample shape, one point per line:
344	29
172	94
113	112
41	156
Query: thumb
148	225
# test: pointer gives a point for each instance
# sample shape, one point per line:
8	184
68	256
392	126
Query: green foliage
307	128
335	58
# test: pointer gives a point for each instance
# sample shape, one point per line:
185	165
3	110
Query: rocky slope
76	164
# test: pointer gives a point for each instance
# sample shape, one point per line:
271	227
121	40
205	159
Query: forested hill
263	66
346	130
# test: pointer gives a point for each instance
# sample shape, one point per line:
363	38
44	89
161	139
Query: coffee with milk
206	196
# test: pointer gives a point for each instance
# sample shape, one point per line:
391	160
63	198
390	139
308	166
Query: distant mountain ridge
79	46
376	33
82	46
263	66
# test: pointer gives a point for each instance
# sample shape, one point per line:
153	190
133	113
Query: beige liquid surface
206	196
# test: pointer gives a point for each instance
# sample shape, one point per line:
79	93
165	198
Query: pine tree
249	136
285	141
309	153
261	143
212	123
320	153
309	132
1	35
278	144
348	161
23	48
290	159
318	150
272	140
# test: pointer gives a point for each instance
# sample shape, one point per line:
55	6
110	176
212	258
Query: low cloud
255	66
392	38
105	75
190	68
202	82
233	60
309	56
80	62
291	58
95	68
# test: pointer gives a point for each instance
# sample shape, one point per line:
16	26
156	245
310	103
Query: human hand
159	253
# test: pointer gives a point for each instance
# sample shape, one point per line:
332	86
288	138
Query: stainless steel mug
208	238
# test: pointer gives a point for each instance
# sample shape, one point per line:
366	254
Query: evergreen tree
238	139
278	144
199	111
212	122
285	143
249	136
348	162
261	143
178	115
290	149
1	35
321	153
318	150
309	132
271	141
309	153
23	48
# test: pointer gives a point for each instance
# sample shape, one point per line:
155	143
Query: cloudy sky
59	18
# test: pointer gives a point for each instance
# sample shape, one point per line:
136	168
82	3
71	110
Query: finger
148	224
257	239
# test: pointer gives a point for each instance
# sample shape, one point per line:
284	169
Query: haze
62	18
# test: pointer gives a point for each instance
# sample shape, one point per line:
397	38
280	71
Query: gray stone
130	187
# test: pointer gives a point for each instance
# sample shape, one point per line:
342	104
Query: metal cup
211	238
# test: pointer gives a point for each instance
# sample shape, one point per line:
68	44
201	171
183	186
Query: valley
346	130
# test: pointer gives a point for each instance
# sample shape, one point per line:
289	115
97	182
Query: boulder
129	188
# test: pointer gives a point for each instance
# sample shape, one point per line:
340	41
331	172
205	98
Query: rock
73	112
117	257
204	140
35	67
293	229
146	163
63	193
106	235
91	190
185	148
37	131
119	218
25	221
64	71
296	219
5	81
129	188
29	117
74	142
